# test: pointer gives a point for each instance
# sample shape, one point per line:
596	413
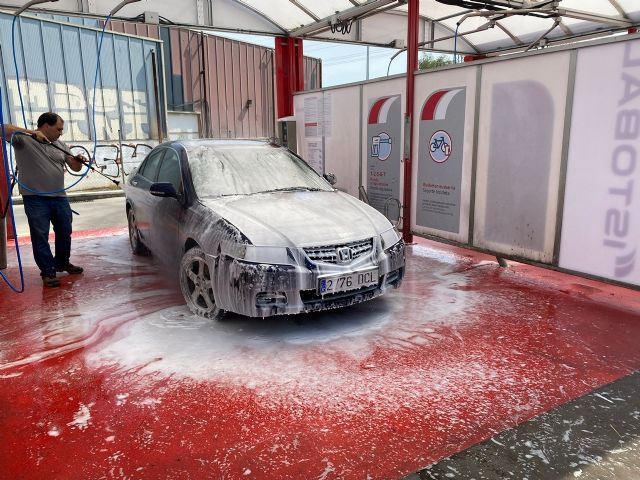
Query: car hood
300	219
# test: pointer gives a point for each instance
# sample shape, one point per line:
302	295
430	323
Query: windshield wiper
295	189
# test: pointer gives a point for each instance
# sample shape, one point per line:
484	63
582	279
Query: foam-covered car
257	231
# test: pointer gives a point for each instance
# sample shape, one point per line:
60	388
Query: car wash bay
112	377
469	370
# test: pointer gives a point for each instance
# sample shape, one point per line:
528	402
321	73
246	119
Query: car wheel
196	286
137	246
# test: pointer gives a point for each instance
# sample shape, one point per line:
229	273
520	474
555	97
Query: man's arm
11	129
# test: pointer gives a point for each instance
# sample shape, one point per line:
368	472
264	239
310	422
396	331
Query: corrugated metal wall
230	83
312	73
239	87
57	63
82	21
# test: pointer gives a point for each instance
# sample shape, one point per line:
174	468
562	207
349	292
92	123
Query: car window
248	169
149	167
170	170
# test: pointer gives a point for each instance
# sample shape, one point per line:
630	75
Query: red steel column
289	73
412	65
4	196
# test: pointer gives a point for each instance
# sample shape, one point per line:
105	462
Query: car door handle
134	182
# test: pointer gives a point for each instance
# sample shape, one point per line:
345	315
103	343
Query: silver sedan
254	230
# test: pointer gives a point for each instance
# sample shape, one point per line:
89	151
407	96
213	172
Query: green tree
432	61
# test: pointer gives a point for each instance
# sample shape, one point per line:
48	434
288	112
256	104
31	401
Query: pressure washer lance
116	182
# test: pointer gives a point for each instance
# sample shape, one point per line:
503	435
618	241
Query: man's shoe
70	268
50	281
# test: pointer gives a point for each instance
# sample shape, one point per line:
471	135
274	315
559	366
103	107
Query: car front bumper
262	290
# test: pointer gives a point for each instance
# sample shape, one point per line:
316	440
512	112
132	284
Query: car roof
213	142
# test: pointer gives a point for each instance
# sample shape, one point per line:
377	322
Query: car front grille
329	253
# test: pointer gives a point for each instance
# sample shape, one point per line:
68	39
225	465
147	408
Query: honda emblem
344	254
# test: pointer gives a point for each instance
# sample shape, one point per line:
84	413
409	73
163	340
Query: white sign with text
601	221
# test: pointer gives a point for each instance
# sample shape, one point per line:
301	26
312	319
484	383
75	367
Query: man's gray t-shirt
40	166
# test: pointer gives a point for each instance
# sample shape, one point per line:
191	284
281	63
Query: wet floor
594	437
112	377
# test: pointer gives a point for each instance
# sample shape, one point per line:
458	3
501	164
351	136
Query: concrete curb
82	196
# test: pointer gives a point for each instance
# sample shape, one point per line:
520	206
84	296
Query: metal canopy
478	27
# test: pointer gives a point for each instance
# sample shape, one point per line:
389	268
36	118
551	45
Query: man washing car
41	169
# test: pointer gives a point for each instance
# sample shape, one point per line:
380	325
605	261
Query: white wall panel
341	137
520	137
429	203
335	137
328	125
601	221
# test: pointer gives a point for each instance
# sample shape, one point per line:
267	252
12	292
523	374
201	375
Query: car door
168	212
139	197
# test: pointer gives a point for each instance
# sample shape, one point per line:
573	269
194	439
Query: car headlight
273	255
233	249
257	254
389	238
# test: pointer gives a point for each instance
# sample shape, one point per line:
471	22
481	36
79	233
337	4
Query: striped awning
477	27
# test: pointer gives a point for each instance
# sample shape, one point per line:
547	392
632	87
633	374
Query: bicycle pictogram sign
440	146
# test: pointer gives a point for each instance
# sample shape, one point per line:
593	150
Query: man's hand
75	163
39	136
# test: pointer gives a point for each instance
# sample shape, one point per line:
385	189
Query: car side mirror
163	189
331	178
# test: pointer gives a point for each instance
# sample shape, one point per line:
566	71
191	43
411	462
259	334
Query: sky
341	63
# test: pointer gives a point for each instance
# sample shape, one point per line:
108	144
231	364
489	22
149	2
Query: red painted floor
111	377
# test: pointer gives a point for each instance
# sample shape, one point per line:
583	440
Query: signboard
441	141
601	220
384	147
313	115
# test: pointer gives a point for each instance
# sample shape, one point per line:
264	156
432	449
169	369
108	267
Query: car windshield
246	169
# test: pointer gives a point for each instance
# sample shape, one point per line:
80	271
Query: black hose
116	182
65	165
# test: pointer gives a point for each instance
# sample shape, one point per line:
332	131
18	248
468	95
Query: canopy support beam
289	73
412	65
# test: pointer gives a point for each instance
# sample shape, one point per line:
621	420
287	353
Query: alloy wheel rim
199	284
133	232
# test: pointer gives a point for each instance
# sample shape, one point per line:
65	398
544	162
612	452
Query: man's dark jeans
42	211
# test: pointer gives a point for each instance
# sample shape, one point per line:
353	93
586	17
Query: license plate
349	281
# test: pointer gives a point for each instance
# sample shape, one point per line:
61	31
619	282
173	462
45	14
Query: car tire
137	246
196	286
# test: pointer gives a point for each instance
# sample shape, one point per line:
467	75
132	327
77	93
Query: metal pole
30	4
121	159
204	82
367	62
156	94
412	65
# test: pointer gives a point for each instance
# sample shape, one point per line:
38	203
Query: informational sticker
327	124
313	116
440	160
314	155
384	146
